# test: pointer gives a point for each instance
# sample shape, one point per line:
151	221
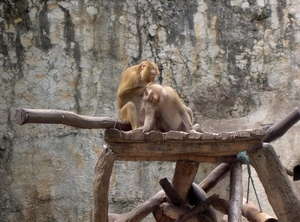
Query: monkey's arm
132	91
150	122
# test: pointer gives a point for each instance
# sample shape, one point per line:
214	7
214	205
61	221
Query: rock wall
235	63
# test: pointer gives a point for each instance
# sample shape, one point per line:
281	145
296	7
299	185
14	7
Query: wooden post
102	175
236	193
272	175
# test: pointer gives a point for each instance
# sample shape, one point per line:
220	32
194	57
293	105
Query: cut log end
20	116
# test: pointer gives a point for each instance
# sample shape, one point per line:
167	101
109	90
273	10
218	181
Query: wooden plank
170	149
176	157
102	175
278	187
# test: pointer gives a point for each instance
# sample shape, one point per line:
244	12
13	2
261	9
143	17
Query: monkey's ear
143	65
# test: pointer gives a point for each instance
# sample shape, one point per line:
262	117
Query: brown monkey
131	88
165	111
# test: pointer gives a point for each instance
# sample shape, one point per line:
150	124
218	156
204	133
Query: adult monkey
130	91
165	111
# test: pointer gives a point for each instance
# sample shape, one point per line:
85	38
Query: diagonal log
278	187
281	127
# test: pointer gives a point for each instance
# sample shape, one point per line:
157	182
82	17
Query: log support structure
182	200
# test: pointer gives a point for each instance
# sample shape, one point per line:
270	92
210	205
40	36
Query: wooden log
249	211
172	194
280	128
253	213
174	212
141	211
198	209
184	175
50	116
214	177
185	172
236	193
197	195
103	170
272	175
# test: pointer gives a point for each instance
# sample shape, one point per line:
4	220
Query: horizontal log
50	116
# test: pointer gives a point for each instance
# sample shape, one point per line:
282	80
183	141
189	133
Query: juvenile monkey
165	111
130	91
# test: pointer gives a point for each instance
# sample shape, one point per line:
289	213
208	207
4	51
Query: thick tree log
103	170
215	176
236	193
50	116
141	211
280	128
272	175
185	172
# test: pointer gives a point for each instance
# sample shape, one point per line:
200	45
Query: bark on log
215	176
103	170
141	211
272	175
280	128
236	193
50	116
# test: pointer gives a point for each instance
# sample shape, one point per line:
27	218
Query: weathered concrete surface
235	63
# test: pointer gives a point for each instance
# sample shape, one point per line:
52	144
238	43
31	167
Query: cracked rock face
235	63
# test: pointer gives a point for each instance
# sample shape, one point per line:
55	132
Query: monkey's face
150	96
149	71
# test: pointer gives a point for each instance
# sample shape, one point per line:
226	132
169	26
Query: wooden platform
175	145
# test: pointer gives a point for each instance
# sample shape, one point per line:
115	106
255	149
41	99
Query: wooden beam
52	116
236	193
103	170
278	187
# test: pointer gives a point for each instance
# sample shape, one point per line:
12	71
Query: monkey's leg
128	113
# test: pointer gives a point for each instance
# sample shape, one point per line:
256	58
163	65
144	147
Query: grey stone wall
235	63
